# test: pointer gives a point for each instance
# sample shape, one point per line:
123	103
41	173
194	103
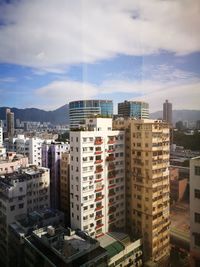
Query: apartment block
51	156
1	133
10	123
21	192
147	185
195	211
97	184
65	186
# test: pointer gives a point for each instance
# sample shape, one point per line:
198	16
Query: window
196	193
197	170
21	206
197	239
197	217
12	208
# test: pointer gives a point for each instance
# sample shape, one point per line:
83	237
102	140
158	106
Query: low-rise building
57	246
23	227
122	251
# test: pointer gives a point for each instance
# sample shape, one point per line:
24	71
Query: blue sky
53	52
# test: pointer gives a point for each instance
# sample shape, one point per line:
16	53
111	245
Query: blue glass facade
82	109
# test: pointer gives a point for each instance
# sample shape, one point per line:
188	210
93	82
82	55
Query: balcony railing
98	161
98	142
99	226
98	208
98	152
111	141
109	158
98	170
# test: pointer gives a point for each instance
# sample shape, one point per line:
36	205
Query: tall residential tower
167	112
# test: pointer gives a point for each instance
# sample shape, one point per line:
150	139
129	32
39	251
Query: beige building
12	162
64	186
147	185
195	211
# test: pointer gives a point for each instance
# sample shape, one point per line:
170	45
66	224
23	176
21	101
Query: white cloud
183	91
51	34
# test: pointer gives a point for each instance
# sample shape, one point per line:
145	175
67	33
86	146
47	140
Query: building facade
167	111
21	192
135	109
65	186
10	123
97	184
83	109
195	211
12	162
51	156
147	185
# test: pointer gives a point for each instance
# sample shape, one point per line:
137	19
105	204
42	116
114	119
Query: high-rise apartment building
65	186
1	133
21	192
51	156
135	109
167	111
195	211
10	123
147	184
83	109
97	184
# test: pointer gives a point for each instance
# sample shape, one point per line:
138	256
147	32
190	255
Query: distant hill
58	116
61	115
179	115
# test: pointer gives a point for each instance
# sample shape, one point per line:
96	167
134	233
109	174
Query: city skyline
54	53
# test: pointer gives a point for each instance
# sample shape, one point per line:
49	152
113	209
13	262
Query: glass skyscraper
82	109
136	109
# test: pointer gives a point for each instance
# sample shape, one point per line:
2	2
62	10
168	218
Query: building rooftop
23	174
60	244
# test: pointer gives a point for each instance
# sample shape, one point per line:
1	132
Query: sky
56	51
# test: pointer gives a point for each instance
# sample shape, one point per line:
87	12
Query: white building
97	184
195	211
21	192
30	147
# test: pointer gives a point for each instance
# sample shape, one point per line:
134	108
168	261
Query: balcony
112	176
111	166
111	203
110	150
111	220
98	161
111	186
99	170
111	210
99	189
99	226
98	142
111	141
99	208
98	180
111	194
99	217
99	235
98	152
99	198
110	158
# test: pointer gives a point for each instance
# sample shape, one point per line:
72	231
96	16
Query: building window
21	206
197	170
197	239
197	217
12	208
196	193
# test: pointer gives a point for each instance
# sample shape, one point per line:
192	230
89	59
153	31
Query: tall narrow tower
167	112
10	123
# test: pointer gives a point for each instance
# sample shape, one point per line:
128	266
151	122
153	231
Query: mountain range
61	115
